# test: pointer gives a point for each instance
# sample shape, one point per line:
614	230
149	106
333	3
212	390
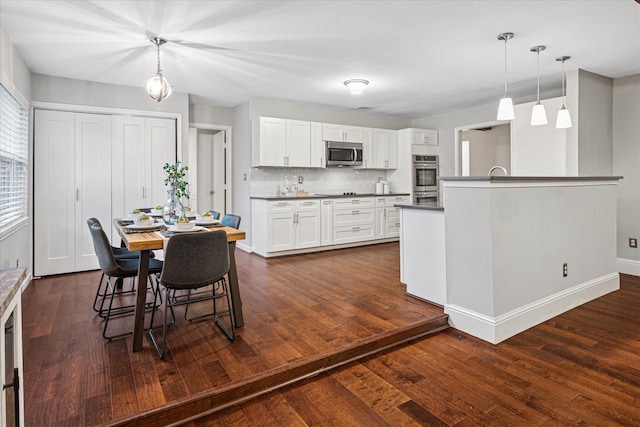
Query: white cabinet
424	137
331	132
384	148
326	222
281	142
72	181
318	151
387	224
11	351
353	220
293	224
141	147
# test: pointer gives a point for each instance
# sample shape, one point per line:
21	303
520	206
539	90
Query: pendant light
538	114
158	87
564	118
505	108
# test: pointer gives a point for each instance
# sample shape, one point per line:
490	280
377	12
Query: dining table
147	241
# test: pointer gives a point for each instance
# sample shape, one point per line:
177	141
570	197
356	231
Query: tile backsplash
267	181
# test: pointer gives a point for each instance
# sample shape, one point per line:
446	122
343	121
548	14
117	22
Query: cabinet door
332	132
425	136
391	138
128	169
273	136
307	229
298	151
326	222
93	181
160	148
280	232
55	192
353	133
368	157
380	224
317	147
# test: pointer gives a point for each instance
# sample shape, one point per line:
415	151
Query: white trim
497	329
629	266
457	149
13	227
559	182
244	247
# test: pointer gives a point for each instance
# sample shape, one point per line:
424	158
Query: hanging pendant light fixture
158	87
564	118
538	114
505	108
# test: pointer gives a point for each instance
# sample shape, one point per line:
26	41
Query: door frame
192	160
457	146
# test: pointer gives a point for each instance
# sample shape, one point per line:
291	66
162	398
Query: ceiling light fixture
356	86
158	87
564	118
505	108
538	114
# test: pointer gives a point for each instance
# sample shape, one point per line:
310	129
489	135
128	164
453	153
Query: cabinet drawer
307	205
392	200
356	216
353	234
392	214
281	206
392	229
381	202
354	203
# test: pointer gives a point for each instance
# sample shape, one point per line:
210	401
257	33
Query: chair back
216	214
193	260
92	221
231	220
104	252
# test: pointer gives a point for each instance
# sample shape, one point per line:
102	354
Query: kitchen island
517	250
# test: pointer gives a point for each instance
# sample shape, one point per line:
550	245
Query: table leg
234	288
141	296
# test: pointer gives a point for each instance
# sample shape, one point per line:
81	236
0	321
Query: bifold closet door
72	182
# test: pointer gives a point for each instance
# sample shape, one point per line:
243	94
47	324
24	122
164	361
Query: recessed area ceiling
420	57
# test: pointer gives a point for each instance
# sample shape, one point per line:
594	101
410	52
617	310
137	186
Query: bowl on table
204	219
143	220
156	212
184	225
133	214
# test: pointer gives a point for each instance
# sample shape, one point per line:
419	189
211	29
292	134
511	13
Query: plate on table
143	227
207	222
184	230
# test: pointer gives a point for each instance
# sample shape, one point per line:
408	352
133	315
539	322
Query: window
14	148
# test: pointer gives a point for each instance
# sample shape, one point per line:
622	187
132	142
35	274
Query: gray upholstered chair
231	220
119	269
193	261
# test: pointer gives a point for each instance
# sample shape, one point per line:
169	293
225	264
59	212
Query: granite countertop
327	196
10	281
432	206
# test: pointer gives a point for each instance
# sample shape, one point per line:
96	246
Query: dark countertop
433	206
505	179
326	196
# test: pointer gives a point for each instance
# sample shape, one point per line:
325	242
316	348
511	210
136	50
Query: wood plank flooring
579	368
303	314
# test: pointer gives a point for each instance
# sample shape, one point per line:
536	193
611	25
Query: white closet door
160	148
55	192
93	181
128	163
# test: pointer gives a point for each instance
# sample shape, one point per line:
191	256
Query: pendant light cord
564	95
158	53
505	67
538	70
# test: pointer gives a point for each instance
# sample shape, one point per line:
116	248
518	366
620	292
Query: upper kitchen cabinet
384	149
424	137
331	132
318	151
281	142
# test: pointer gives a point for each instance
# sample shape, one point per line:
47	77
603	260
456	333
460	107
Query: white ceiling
421	57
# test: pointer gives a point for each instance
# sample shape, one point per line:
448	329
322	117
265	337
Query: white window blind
14	148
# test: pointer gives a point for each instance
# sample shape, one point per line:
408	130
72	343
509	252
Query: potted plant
178	188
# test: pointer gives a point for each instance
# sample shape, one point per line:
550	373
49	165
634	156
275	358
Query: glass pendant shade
158	87
505	109
538	115
564	118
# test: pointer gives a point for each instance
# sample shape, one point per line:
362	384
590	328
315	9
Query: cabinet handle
77	194
144	194
355	228
327	202
296	218
355	212
309	203
355	201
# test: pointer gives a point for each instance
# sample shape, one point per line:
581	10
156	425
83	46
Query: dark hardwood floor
579	368
303	315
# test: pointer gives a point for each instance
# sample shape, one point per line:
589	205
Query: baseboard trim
497	329
629	266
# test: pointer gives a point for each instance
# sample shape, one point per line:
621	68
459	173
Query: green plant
175	178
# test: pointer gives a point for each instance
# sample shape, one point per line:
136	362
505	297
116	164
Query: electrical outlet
565	270
633	242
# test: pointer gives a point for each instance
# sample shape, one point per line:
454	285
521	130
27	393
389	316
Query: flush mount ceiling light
505	108
564	118
158	87
538	115
356	86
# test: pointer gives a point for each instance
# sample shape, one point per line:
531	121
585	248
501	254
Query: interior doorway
482	146
209	164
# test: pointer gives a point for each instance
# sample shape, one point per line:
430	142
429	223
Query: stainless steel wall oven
425	178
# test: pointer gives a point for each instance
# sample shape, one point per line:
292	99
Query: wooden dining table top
152	240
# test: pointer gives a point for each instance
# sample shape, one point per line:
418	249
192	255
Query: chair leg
98	294
167	307
230	333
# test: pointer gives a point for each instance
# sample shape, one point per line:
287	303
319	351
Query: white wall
626	163
16	77
210	115
488	148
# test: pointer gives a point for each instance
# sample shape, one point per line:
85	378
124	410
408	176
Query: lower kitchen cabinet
292	224
326	222
388	217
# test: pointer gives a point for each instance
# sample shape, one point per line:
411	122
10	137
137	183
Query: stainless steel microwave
343	154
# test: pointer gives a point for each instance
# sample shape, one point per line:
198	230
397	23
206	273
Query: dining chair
119	268
193	261
216	214
231	220
119	253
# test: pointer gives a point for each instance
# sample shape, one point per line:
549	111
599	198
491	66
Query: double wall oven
425	179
